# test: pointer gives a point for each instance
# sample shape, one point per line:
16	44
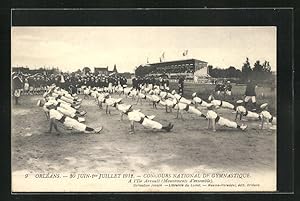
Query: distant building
104	70
174	69
101	70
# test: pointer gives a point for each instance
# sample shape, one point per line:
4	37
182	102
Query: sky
72	48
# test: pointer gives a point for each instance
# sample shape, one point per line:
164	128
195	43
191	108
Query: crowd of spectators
30	84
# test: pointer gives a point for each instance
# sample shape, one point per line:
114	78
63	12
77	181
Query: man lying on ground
139	117
180	107
56	118
198	101
242	111
64	109
214	118
220	103
181	99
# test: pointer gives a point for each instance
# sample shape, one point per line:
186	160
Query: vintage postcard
143	109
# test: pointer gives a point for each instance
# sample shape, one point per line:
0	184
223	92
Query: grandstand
174	69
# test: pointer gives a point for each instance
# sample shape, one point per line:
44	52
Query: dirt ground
189	146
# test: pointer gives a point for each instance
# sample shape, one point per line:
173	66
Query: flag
160	59
185	53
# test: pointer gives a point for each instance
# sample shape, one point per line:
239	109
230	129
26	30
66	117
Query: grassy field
188	148
264	94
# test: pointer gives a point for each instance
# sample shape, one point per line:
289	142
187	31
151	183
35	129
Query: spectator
181	86
228	88
250	94
17	85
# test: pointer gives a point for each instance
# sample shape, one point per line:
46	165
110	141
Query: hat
194	94
239	101
173	92
263	106
210	98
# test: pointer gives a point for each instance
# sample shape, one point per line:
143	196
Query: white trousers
225	122
252	115
194	110
72	123
151	124
253	99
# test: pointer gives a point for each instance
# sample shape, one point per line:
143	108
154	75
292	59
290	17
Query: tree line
260	72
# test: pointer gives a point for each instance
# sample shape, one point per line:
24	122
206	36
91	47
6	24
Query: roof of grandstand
177	61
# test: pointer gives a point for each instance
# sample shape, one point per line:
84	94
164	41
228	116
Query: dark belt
158	101
221	103
62	120
201	102
187	108
174	105
179	98
142	120
217	119
144	97
104	100
271	119
59	96
127	111
58	104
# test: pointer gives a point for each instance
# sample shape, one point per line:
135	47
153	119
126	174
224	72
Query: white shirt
211	114
266	114
216	102
169	102
199	100
155	98
177	96
55	114
241	109
134	116
123	108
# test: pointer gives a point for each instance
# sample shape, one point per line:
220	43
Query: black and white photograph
143	108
